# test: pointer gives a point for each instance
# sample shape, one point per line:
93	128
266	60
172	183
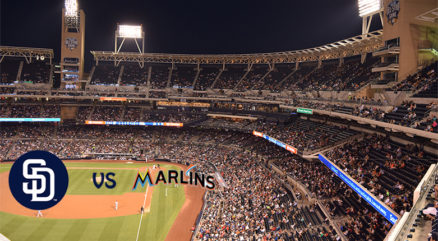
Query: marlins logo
392	11
175	177
38	180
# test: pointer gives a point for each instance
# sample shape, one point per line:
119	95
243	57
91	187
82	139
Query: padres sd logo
392	11
38	180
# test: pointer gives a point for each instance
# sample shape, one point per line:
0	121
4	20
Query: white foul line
141	217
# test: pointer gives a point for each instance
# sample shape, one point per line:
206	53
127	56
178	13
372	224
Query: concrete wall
69	112
409	30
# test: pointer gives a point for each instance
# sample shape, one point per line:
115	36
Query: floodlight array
129	31
369	7
71	8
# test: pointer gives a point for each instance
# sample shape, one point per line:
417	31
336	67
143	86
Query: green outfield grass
155	224
81	182
5	167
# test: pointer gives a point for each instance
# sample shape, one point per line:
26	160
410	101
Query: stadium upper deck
376	127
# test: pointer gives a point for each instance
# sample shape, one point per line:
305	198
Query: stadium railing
310	195
298	184
200	216
403	227
331	221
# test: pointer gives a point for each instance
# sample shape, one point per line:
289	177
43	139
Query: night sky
189	26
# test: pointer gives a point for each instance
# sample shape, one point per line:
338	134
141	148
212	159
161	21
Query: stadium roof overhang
27	53
357	45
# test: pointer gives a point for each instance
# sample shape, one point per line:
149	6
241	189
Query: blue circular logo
38	180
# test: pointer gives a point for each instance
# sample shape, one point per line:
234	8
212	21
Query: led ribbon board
183	104
113	99
276	142
133	123
359	189
30	119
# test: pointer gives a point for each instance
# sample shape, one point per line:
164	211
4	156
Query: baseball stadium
247	130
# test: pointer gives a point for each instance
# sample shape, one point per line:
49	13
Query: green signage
305	111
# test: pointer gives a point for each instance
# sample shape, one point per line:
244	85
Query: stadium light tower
71	14
367	9
72	44
128	32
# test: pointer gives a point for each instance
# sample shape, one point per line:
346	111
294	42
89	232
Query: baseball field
89	213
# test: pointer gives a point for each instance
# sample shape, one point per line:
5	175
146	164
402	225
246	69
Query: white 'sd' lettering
36	175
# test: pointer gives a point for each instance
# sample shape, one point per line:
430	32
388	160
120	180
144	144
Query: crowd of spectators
369	112
132	114
230	77
421	80
352	75
135	114
266	211
206	77
362	222
254	79
159	76
8	71
269	209
134	75
83	113
183	77
408	114
157	94
320	181
5	146
419	116
171	117
430	90
331	76
105	74
274	78
30	111
7	91
224	123
99	113
36	72
430	124
387	169
106	113
315	79
298	76
305	134
302	134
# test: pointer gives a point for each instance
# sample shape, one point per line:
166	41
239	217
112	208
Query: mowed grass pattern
155	224
81	182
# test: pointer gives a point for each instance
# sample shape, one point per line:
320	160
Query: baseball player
39	214
116	205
